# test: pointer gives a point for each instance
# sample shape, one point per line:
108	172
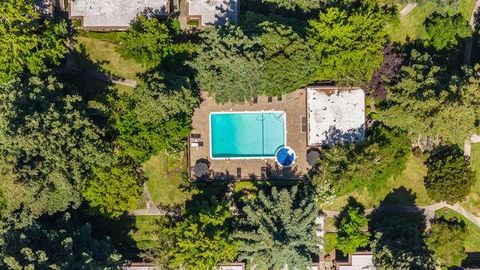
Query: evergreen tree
304	5
278	229
447	241
449	177
444	31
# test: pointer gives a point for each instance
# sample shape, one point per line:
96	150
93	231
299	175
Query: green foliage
288	61
63	244
113	190
331	242
229	64
352	166
148	41
29	43
48	146
305	5
278	229
446	240
348	42
444	31
350	224
449	177
203	238
413	102
398	244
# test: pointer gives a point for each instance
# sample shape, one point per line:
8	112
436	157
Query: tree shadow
352	203
274	172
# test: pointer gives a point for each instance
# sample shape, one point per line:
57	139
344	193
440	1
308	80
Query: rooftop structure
357	261
112	14
335	115
232	266
210	12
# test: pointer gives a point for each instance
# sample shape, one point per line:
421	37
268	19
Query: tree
398	245
203	238
229	64
304	5
425	101
447	241
350	224
288	61
449	177
62	244
149	41
278	229
348	42
48	146
113	190
349	167
444	30
29	42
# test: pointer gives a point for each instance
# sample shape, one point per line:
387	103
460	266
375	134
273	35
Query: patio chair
239	173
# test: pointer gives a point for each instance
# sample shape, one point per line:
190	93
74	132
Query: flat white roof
335	115
113	13
359	262
213	11
233	266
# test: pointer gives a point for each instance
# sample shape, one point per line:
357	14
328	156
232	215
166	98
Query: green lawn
472	203
144	232
412	24
99	52
165	179
472	243
410	179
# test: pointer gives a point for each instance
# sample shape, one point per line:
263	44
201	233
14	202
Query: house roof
113	13
358	261
335	115
211	12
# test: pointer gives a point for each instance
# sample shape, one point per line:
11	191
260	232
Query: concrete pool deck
293	104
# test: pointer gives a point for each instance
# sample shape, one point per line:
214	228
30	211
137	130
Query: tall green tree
278	229
113	190
444	31
447	241
424	101
304	5
449	177
351	223
149	41
348	42
203	239
62	244
48	146
229	64
28	42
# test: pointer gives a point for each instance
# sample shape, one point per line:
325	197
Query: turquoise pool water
255	134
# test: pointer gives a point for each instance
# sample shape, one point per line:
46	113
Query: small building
105	15
232	266
357	261
211	12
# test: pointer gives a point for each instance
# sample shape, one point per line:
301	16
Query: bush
331	241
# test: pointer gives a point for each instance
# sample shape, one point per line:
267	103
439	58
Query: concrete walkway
429	211
469	43
467	147
152	209
407	9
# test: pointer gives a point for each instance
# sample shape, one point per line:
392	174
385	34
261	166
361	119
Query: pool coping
245	112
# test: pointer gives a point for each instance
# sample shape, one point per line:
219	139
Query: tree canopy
351	223
447	241
28	42
348	42
444	31
449	177
278	229
305	5
62	244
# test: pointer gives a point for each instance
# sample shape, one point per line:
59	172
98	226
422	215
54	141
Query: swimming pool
246	134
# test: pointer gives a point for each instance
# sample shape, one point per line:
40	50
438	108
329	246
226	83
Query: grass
101	51
165	178
412	24
144	232
472	242
410	179
472	202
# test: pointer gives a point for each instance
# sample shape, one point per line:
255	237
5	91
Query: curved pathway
429	211
407	9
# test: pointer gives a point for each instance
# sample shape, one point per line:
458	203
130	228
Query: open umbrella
313	155
201	169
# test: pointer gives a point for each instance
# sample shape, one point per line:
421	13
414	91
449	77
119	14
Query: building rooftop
357	261
113	14
210	12
335	115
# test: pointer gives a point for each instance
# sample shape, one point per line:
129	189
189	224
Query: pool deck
293	104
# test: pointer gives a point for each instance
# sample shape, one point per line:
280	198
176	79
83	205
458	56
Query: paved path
407	9
152	209
429	211
467	147
469	43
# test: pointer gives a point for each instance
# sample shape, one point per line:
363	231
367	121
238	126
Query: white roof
335	115
236	266
359	262
213	11
113	13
